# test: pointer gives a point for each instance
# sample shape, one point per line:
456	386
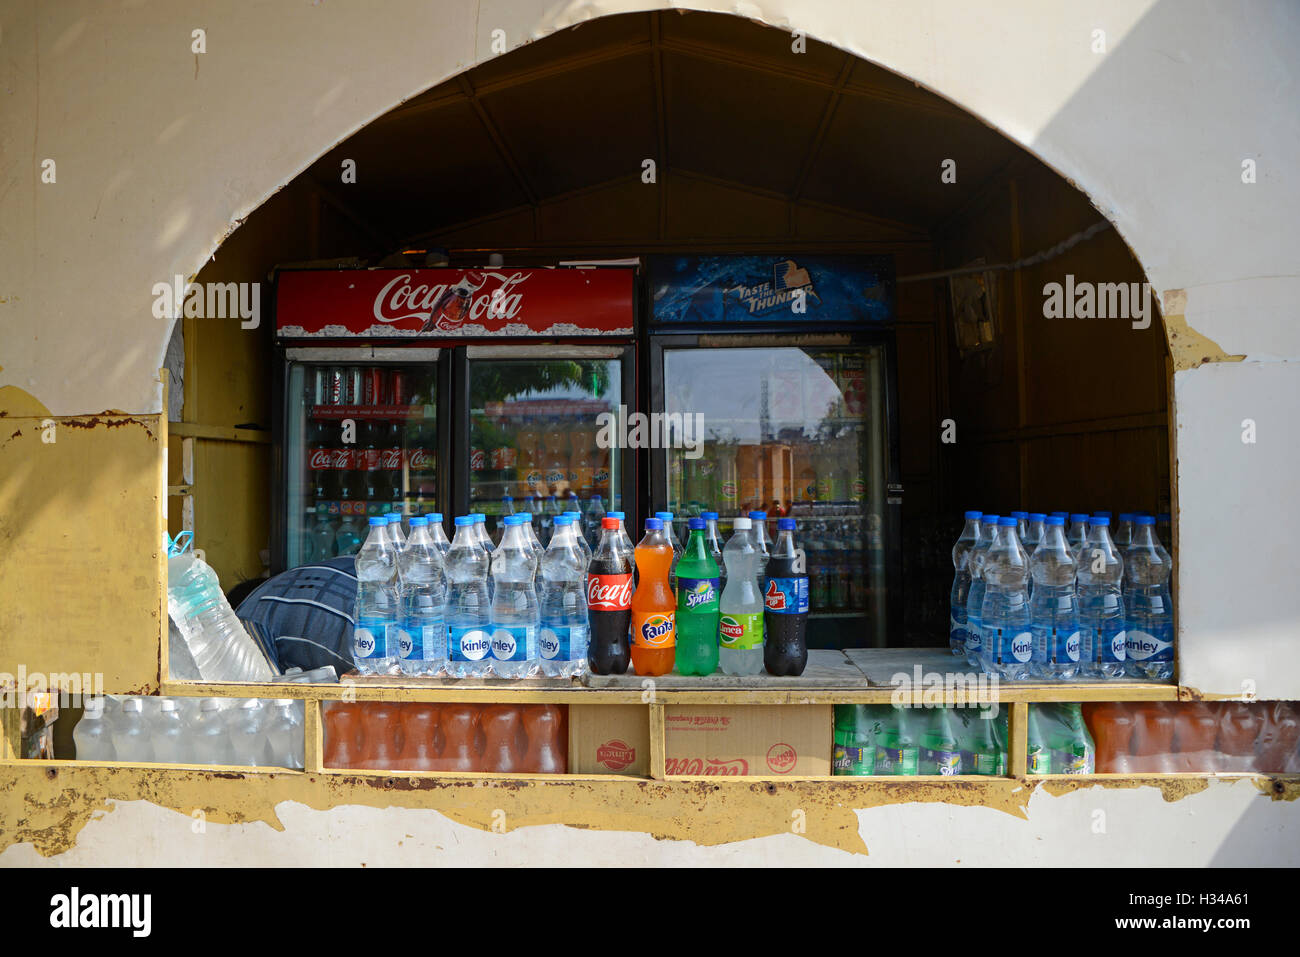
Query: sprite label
741	632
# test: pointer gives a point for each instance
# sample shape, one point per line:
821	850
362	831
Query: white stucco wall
159	151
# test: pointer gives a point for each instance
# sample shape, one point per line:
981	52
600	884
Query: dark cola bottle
785	605
609	603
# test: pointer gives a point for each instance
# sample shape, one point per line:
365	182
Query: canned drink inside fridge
334	387
372	386
399	387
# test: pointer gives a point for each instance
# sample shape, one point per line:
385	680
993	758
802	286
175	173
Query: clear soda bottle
966	542
469	637
515	611
1100	569
1149	640
374	639
422	640
1054	606
761	541
93	736
975	597
740	629
562	594
1007	645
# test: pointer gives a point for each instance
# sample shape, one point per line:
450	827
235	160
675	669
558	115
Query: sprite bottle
697	605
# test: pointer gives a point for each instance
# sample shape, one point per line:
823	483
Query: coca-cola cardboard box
609	739
741	740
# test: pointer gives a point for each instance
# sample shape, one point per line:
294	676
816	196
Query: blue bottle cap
654	524
574	513
1062	514
378	520
758	516
419	520
519	520
596	498
393	519
507	498
435	517
1078	517
1006	521
565	519
478	517
1055	520
665	516
974	515
1019	515
695	524
990	518
1037	516
550	498
1145	520
618	515
785	524
461	520
527	515
1099	520
1126	516
709	516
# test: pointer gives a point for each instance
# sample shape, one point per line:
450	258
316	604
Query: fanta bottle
1196	729
546	752
501	752
654	630
342	735
1111	724
419	725
460	726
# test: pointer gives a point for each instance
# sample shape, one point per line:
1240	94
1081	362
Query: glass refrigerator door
360	440
535	442
800	433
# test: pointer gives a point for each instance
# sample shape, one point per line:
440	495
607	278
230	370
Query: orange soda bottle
654	609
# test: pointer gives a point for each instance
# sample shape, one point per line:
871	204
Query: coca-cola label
477	460
503	457
609	592
370	459
421	460
723	767
318	459
341	458
392	459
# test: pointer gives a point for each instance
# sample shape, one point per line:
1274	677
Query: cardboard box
749	739
609	739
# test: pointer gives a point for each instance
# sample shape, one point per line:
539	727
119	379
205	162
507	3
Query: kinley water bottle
966	542
1101	609
1054	606
562	593
374	640
422	640
469	637
1150	611
515	614
975	597
1004	616
740	629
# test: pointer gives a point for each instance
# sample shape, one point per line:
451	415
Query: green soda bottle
855	741
940	749
986	755
697	605
896	750
1039	759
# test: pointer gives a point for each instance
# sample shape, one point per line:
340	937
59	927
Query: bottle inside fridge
798	433
362	441
536	443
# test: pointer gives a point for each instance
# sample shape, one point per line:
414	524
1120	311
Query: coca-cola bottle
420	464
391	465
609	603
371	457
320	462
478	456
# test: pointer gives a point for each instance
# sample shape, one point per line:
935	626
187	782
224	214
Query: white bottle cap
167	704
250	703
210	704
741	524
132	704
94	707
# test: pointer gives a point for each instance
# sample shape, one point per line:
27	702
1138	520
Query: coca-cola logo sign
609	592
391	459
341	458
723	767
476	296
320	459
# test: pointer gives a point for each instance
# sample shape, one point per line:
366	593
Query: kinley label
741	632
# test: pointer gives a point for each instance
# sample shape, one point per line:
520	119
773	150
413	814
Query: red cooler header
443	303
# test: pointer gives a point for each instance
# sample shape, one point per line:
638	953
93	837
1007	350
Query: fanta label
655	629
741	632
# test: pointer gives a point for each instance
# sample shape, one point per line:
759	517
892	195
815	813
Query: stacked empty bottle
1080	603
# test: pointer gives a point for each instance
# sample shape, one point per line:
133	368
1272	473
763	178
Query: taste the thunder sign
449	303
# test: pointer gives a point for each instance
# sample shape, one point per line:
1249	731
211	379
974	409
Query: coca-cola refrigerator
447	390
777	375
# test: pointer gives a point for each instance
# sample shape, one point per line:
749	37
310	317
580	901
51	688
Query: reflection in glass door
797	432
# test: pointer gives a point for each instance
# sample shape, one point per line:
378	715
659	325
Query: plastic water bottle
395	529
92	736
248	734
531	534
1078	536
1035	533
713	542
515	613
439	536
422	640
168	733
966	542
1101	607
545	527
1149	605
222	649
975	597
1022	527
579	539
285	744
348	540
740	629
591	521
562	595
131	738
374	639
761	541
211	743
1054	606
322	538
1008	644
667	519
624	541
469	638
